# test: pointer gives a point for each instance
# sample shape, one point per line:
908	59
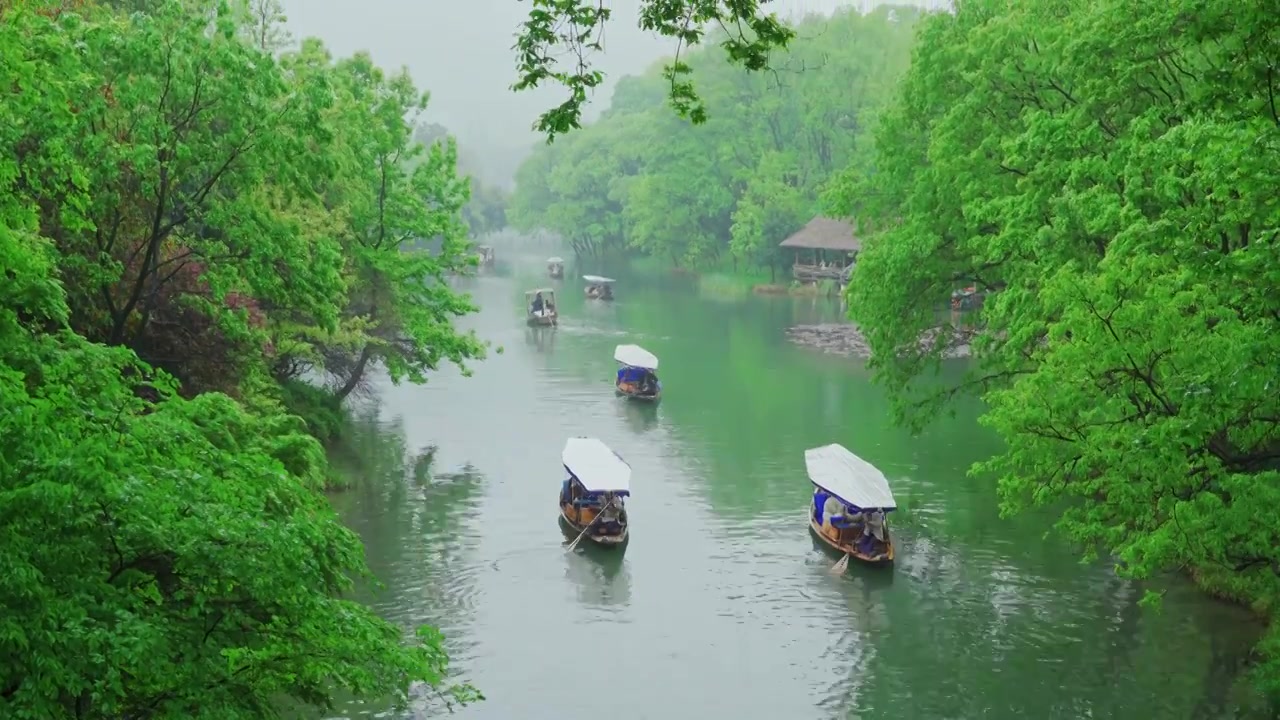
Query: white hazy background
461	51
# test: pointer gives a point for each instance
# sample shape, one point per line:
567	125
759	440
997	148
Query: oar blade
841	565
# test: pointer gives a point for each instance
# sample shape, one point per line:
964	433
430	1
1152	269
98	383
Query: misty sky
460	50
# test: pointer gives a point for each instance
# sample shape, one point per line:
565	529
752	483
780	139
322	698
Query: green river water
721	607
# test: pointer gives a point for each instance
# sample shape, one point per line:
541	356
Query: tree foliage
182	213
395	193
574	29
642	179
1107	173
486	209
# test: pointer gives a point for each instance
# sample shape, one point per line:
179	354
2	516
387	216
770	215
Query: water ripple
722	605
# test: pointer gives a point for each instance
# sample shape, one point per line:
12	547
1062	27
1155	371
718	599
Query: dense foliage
1107	172
189	222
486	208
643	179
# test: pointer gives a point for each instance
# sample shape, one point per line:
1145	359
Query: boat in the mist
592	498
540	307
598	287
637	377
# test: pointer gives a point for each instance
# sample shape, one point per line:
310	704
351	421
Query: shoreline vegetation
197	219
197	214
725	279
1100	173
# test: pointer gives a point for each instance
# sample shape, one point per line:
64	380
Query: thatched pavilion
824	248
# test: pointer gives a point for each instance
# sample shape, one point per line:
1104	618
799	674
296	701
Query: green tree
485	211
645	180
168	557
177	247
1106	172
164	557
389	194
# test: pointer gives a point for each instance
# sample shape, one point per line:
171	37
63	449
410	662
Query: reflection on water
641	417
541	338
418	529
721	605
599	576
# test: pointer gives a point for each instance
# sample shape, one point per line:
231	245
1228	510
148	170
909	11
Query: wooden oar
841	565
583	534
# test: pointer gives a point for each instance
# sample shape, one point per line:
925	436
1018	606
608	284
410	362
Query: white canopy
849	477
535	291
555	260
596	279
598	468
635	356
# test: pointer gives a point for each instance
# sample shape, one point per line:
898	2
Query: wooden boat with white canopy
591	499
638	376
598	287
540	306
850	500
555	267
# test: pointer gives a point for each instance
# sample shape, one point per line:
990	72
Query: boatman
537	304
875	524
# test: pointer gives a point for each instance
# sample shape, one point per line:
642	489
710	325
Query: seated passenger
833	509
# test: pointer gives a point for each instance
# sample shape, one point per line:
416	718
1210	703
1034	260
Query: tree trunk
356	374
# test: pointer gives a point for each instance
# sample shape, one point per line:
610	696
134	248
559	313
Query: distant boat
540	307
591	499
850	495
638	377
599	288
485	255
555	267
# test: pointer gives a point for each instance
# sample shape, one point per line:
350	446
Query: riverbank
725	279
847	340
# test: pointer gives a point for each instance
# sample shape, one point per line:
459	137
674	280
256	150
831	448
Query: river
721	607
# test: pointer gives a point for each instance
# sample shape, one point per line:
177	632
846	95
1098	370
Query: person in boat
872	539
630	378
874	524
612	506
538	304
834	509
649	383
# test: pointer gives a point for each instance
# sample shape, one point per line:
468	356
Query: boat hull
884	559
542	320
573	529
